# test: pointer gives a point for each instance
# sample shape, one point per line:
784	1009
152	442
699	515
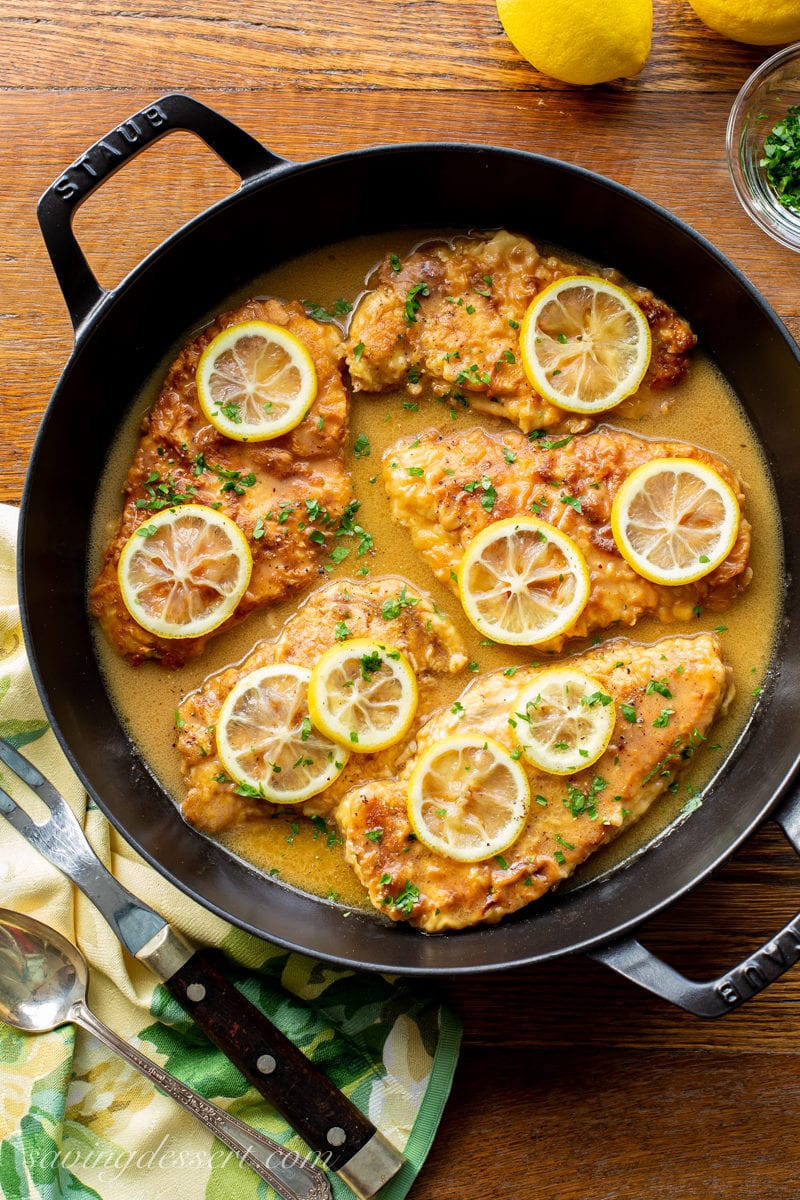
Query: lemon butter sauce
701	410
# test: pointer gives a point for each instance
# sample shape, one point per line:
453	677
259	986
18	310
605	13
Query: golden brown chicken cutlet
445	489
671	692
288	495
444	321
371	609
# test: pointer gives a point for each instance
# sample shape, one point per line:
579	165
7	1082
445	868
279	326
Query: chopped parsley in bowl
763	143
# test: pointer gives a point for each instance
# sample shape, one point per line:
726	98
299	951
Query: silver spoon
43	980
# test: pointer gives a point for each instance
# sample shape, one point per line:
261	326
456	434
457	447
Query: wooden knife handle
317	1110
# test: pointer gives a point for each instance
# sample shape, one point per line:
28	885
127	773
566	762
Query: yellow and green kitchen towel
75	1121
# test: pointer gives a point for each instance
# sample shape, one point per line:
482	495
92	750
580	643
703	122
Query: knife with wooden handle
346	1141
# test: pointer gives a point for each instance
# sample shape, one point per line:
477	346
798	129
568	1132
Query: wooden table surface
572	1083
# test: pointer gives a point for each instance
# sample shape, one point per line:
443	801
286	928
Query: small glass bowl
761	103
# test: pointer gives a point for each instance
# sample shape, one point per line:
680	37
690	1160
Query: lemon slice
255	381
674	520
363	694
585	345
468	798
522	581
563	721
267	742
184	570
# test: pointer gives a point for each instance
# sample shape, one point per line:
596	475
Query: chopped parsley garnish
361	446
407	897
474	375
548	444
578	801
340	309
315	512
370	663
629	713
391	608
660	686
247	789
412	301
347	527
232	481
487	487
163	493
284	512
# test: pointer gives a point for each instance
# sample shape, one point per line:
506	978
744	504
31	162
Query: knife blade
346	1141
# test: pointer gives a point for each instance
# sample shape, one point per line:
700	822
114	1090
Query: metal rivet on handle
266	1064
336	1136
196	992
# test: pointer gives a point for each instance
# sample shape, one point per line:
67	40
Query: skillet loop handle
57	207
714	998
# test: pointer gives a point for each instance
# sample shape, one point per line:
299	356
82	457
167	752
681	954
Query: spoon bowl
42	975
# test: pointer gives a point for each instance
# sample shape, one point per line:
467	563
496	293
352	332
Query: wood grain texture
573	1083
617	1125
419	45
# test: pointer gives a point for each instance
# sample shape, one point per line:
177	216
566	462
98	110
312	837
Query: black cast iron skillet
283	209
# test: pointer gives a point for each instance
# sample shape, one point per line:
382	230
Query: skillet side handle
627	956
57	207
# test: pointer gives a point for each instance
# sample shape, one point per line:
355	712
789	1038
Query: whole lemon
759	22
580	41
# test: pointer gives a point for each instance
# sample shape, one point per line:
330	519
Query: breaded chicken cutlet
368	609
265	487
435	486
444	320
570	817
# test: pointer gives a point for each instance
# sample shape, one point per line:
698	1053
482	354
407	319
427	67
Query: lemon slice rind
255	381
646	538
363	695
522	581
159	573
581	359
267	742
468	799
563	721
